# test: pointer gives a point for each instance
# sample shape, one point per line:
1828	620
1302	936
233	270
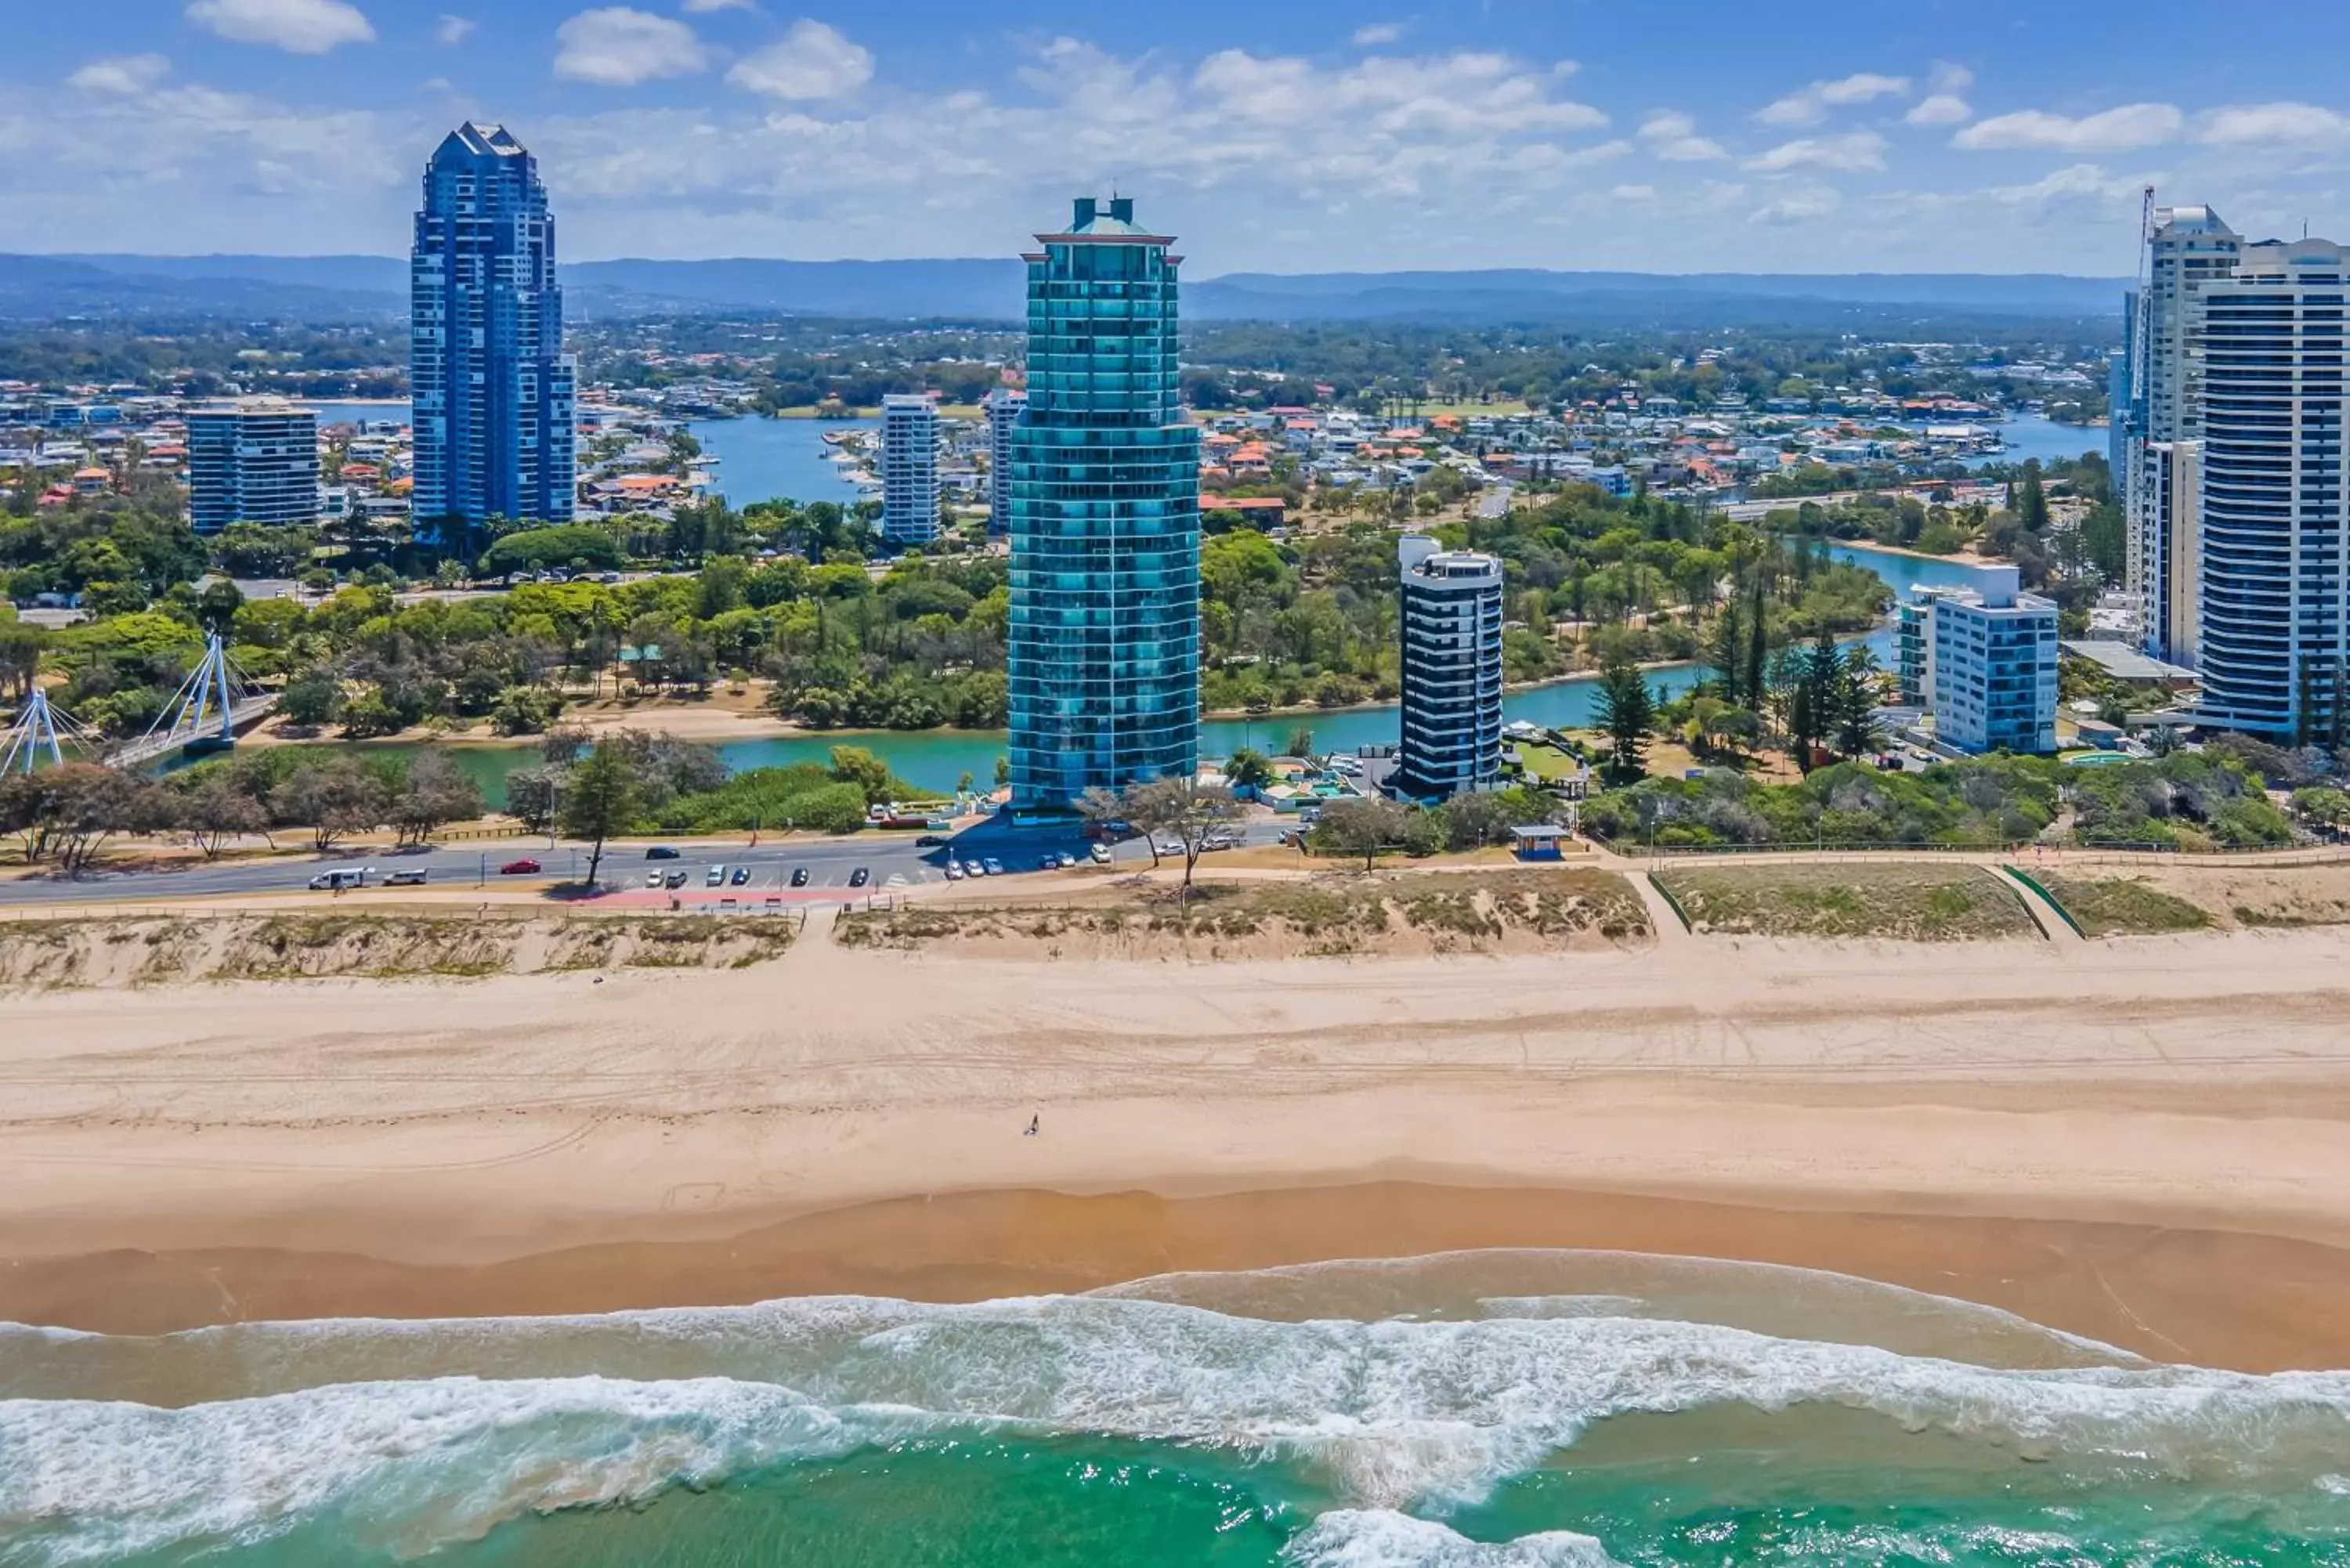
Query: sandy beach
2139	1140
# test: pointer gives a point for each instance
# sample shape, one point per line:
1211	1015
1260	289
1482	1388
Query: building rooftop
2123	662
1113	220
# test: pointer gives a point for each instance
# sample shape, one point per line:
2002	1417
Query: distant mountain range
344	287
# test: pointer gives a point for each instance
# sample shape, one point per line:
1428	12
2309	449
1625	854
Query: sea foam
1354	1537
1385	1414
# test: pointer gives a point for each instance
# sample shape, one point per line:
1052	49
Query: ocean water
1478	1410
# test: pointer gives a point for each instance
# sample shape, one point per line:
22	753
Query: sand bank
2046	1122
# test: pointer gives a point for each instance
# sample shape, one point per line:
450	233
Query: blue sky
1666	135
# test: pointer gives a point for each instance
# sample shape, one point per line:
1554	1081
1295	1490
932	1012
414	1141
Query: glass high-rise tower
1105	521
493	390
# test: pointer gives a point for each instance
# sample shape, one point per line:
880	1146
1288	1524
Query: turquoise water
1513	1409
763	460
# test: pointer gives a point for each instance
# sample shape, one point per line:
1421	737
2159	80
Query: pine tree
1729	653
2032	504
1758	644
1628	712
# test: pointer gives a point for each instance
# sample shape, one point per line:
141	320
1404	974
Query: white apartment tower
2274	537
2188	247
909	468
1004	406
1983	660
1451	667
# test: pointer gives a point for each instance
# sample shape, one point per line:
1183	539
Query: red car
520	868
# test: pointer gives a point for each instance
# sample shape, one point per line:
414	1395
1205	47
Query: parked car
1100	852
714	878
523	868
652	878
955	871
1065	859
660	852
859	877
740	875
974	869
930	841
799	875
408	876
674	880
1048	861
993	866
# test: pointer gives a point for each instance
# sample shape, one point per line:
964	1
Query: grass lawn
2124	906
1905	903
1548	762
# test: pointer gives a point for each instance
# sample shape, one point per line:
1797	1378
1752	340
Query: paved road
891	860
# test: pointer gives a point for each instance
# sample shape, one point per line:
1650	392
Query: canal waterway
937	759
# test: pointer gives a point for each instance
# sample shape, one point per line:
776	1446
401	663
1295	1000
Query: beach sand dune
2139	1140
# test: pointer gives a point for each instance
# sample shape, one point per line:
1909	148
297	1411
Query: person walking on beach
1034	1124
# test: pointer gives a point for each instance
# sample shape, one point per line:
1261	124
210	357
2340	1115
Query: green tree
314	697
1184	809
532	793
2032	500
1361	828
213	810
1628	712
1300	743
217	605
599	800
435	793
1855	682
1248	769
333	797
855	764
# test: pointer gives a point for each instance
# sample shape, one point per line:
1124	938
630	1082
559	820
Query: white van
337	881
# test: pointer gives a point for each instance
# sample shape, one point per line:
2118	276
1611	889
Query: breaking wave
418	1434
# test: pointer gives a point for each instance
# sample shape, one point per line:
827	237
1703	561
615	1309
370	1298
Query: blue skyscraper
491	387
1104	502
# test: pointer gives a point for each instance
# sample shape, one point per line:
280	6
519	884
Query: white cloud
2115	131
1939	108
454	29
300	26
1672	136
1378	33
1811	105
614	46
811	61
1855	153
1399	158
2086	194
1945	102
121	74
2273	125
695	7
1465	94
1803	206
